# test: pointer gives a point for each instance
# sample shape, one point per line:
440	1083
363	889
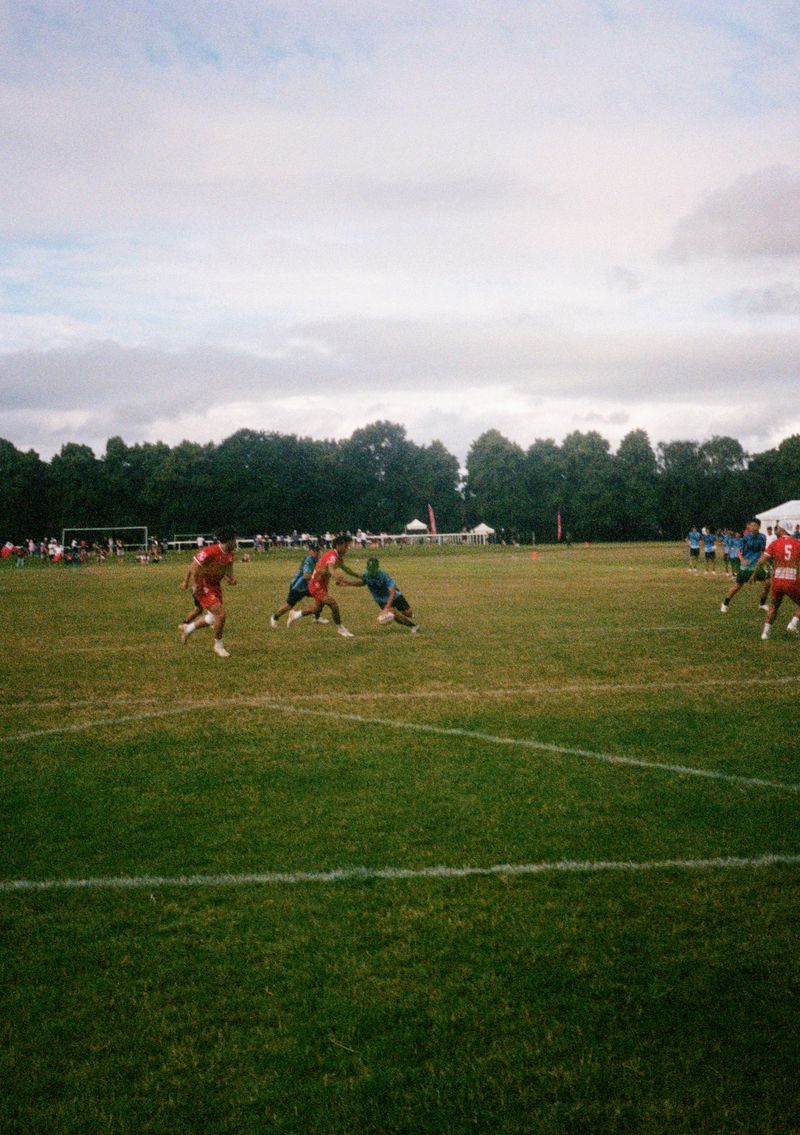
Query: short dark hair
342	538
226	534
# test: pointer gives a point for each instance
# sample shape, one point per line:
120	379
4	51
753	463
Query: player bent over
298	588
318	585
386	594
785	556
209	567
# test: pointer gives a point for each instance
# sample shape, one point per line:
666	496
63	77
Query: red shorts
317	590
790	587
209	595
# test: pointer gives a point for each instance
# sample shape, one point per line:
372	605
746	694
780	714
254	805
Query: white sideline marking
455	692
348	874
414	727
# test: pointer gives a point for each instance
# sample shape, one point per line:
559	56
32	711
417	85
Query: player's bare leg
772	614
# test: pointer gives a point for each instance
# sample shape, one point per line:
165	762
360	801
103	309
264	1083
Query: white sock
793	622
189	627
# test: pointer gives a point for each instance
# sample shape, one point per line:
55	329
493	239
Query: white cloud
447	214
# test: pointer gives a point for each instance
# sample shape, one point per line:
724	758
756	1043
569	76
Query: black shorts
295	596
694	553
711	555
400	604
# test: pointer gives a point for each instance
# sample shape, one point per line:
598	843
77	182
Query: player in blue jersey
727	538
752	545
693	540
710	545
298	588
386	593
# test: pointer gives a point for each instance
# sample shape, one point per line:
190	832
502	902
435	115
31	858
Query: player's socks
793	624
220	650
766	630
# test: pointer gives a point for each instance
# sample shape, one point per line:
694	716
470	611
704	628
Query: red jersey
326	562
214	561
785	555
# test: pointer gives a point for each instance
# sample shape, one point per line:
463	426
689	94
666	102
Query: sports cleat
724	608
293	617
321	622
765	632
273	622
344	632
220	650
184	634
793	628
415	629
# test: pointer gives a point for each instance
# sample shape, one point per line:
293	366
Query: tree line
378	479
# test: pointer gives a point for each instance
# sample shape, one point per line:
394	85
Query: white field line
352	874
413	727
456	692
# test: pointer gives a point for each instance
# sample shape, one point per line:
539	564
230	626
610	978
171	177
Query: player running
209	567
298	588
319	581
785	556
386	594
749	549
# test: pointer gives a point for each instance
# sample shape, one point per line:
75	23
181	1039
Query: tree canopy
378	479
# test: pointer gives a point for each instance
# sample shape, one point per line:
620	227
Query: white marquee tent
483	530
416	526
789	510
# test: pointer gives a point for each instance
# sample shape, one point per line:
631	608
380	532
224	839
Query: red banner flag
432	520
558	524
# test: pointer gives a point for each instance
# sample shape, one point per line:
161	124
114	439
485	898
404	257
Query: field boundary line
456	692
366	874
412	727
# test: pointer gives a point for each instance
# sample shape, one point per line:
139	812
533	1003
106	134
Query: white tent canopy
483	530
416	526
790	510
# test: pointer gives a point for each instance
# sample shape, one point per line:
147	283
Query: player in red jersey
318	585
209	567
785	555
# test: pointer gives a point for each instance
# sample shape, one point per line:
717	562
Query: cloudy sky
304	215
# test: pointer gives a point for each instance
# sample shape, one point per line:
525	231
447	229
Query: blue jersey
736	547
380	585
709	540
753	544
300	580
694	539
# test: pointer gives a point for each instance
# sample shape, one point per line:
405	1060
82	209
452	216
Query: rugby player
386	594
209	567
785	556
319	581
298	588
753	543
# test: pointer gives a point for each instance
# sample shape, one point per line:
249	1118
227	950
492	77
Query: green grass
659	1001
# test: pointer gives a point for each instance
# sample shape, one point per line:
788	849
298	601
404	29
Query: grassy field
221	904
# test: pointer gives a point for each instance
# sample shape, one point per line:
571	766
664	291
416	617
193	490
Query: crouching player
785	555
209	567
386	594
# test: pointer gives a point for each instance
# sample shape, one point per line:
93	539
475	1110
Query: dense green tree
636	487
24	501
79	498
591	509
496	488
379	466
545	483
682	487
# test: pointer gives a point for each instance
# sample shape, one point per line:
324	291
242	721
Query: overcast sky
305	215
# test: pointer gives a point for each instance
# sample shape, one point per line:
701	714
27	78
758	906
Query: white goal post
132	536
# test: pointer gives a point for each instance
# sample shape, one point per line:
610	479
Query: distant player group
751	557
312	580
